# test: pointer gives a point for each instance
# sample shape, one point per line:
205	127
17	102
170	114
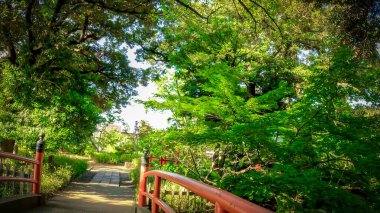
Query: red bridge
185	195
223	201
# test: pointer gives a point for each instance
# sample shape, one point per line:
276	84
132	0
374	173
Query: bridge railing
222	201
18	173
162	160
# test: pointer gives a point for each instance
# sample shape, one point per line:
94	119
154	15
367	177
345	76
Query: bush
52	181
77	166
113	158
135	172
64	169
106	158
128	157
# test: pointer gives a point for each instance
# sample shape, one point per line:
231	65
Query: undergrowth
59	174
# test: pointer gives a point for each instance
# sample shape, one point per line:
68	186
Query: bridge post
38	167
143	180
218	208
156	193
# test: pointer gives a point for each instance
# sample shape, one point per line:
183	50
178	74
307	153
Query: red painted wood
16	157
142	185
17	179
37	173
156	193
225	201
37	166
164	206
162	160
218	208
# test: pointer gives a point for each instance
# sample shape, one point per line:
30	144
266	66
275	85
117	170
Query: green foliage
76	166
62	65
277	101
135	172
63	171
53	181
113	158
112	140
270	103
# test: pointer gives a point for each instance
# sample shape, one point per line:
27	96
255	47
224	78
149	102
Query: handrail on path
224	201
37	162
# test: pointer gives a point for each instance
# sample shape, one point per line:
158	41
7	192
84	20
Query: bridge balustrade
25	171
176	193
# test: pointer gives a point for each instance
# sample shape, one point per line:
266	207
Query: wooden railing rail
37	162
17	157
162	160
224	201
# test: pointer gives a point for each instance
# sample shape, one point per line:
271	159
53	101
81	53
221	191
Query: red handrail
224	201
17	157
17	179
36	180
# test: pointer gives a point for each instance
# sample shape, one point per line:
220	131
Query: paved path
105	188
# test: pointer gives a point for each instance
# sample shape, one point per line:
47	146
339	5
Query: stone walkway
106	188
108	177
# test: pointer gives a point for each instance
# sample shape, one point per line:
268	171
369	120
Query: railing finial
145	157
41	143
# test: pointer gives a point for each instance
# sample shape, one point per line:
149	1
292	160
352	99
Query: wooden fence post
143	180
38	167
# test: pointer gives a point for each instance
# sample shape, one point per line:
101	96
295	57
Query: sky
136	111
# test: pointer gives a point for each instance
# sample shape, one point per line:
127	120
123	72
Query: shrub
128	157
113	158
64	169
52	181
106	158
135	172
77	166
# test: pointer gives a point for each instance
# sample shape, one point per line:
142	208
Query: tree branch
155	52
195	165
266	12
84	30
116	9
190	8
237	11
250	14
84	39
298	129
212	12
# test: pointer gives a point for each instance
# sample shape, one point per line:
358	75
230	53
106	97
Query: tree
282	105
67	57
